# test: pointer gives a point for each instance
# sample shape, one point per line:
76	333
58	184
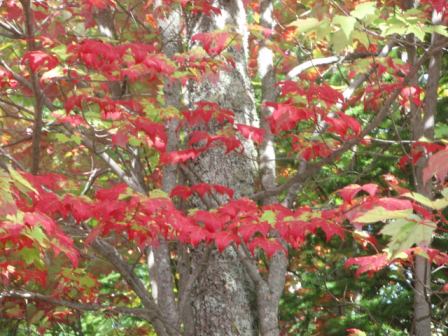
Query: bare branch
38	99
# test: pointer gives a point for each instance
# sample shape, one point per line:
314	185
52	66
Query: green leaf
347	24
158	193
269	216
36	234
417	31
61	52
361	37
305	25
20	180
30	256
379	214
438	204
442	30
38	316
441	131
339	41
408	232
87	281
363	10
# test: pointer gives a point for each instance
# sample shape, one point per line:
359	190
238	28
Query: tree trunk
423	126
223	297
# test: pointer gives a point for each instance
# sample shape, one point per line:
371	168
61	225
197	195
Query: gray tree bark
223	298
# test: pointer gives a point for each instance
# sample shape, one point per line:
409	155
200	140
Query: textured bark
222	298
269	292
423	125
159	263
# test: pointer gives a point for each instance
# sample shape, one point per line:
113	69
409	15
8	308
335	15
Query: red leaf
437	165
251	133
159	65
179	156
111	194
370	188
438	5
330	228
370	264
212	221
181	191
246	231
36	218
213	42
100	4
325	93
78	207
201	7
269	246
285	116
223	239
74	120
316	150
198	136
155	131
349	192
39	59
120	139
201	189
231	143
197	236
223	190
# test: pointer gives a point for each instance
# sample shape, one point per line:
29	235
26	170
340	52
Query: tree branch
312	169
20	294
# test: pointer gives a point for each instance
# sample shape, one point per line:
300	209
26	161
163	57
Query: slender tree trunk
423	125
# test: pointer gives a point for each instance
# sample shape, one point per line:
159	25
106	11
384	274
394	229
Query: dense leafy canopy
86	142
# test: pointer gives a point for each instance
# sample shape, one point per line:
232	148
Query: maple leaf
369	264
120	139
437	166
111	194
200	7
268	245
100	4
325	93
38	60
179	156
247	231
212	42
330	228
438	5
78	207
285	116
197	236
405	232
159	64
155	131
251	133
211	221
181	191
316	150
223	190
223	239
349	192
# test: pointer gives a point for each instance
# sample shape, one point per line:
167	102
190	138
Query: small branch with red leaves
312	169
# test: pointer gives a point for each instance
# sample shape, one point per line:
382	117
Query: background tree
175	162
